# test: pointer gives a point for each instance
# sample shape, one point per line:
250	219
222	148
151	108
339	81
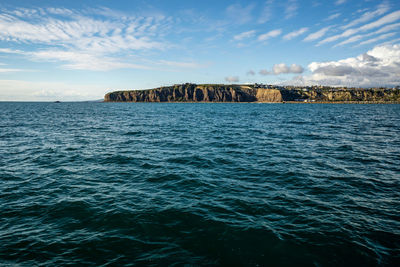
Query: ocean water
199	184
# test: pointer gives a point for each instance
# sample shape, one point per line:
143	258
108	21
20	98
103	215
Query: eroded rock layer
249	93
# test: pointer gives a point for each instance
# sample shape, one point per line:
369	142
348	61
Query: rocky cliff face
336	95
268	95
196	93
247	93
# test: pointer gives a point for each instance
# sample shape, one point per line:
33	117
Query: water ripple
199	184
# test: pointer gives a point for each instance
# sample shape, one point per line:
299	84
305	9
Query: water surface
199	184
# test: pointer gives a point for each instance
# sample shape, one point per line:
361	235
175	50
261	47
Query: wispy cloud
333	16
316	35
316	3
19	90
251	72
6	69
270	34
83	61
81	41
378	38
388	28
381	9
266	12
83	32
59	11
11	51
390	42
294	34
232	79
10	70
352	39
358	37
240	14
291	9
347	33
380	22
244	35
340	2
177	64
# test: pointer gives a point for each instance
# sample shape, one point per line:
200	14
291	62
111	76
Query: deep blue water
199	184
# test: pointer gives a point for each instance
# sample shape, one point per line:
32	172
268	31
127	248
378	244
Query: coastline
283	102
257	93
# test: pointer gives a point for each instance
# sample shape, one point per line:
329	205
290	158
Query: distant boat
57	101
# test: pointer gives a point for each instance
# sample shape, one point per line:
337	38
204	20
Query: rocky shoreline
256	93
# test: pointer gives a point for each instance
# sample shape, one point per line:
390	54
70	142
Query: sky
80	50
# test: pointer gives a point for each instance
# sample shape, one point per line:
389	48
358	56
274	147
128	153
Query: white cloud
316	35
266	13
10	51
378	38
240	14
270	34
390	42
79	60
280	68
18	90
4	70
251	72
389	27
380	22
358	37
85	41
9	70
294	34
352	39
379	66
333	16
232	79
83	61
294	68
52	30
283	68
339	2
177	64
60	11
87	61
244	35
291	9
381	9
347	33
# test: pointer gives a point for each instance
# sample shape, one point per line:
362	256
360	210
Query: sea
199	184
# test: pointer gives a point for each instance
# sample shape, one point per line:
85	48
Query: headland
261	93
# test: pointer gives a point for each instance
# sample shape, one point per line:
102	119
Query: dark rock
250	93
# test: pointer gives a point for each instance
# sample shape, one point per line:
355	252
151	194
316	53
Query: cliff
253	93
342	95
196	93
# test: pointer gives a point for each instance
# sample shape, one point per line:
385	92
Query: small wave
174	185
195	161
133	133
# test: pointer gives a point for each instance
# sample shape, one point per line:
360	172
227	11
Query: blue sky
79	50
